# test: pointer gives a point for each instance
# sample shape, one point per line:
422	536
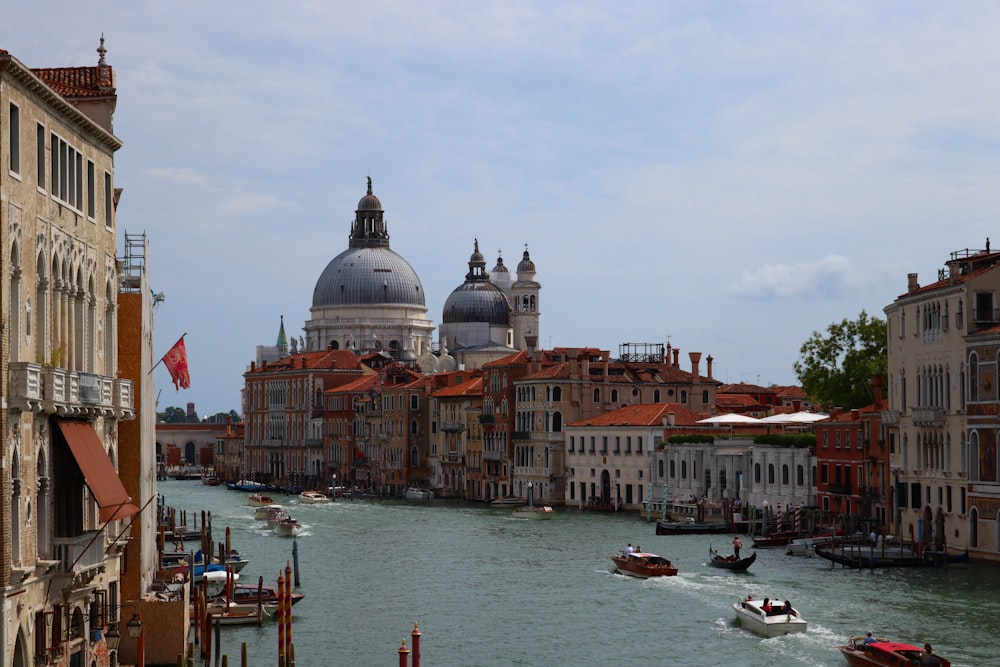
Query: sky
728	177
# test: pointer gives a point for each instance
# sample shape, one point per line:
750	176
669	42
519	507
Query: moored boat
860	556
643	565
533	512
780	619
730	562
691	527
881	653
313	497
416	493
508	501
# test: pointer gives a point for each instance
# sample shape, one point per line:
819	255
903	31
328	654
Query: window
414	402
108	201
656	396
597	396
572	443
614	395
91	192
604	444
618	444
593	442
40	155
15	138
638	447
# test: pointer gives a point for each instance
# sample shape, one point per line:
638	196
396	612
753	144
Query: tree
172	415
837	369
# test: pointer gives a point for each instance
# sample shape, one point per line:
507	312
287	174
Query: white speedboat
416	493
780	619
533	512
313	497
259	500
265	512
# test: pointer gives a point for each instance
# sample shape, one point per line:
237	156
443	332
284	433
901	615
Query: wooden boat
288	527
778	539
882	653
248	594
730	562
643	565
313	497
416	493
533	512
860	556
691	527
265	512
259	499
774	623
237	613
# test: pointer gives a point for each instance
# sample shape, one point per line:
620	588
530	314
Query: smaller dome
499	268
369	202
526	265
477	302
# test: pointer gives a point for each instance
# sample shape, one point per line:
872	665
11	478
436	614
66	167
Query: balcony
928	416
58	391
839	489
452	427
81	556
890	417
451	457
522	435
492	455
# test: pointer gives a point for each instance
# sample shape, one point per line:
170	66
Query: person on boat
749	599
737	545
788	609
870	639
766	607
928	658
629	550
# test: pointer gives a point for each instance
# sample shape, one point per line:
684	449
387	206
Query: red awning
104	483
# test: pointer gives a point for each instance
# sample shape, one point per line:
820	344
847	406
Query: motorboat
778	539
533	512
730	562
217	580
268	595
780	619
265	512
416	493
882	653
288	527
259	499
313	497
643	565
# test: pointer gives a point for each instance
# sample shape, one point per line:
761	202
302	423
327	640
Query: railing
452	457
53	390
890	417
452	426
840	489
928	416
82	552
491	455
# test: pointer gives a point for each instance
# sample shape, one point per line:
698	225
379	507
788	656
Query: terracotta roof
327	359
792	391
744	388
473	387
642	415
75	82
363	383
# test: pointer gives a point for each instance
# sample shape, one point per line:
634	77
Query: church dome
476	301
368	276
368	272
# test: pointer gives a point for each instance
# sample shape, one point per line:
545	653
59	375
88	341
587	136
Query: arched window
800	475
556	422
656	396
614	395
770	473
557	393
756	473
414	456
413	427
597	395
659	467
684	469
673	471
784	474
684	396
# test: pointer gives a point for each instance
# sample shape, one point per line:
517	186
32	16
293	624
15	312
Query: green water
488	589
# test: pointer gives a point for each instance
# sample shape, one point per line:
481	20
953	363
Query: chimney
855	414
677	356
671	419
877	381
695	360
912	284
709	368
531	341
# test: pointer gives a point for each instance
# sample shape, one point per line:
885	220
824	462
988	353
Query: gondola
730	562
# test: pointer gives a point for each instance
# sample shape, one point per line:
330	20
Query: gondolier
737	545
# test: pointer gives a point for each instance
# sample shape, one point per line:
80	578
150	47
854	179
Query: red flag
176	361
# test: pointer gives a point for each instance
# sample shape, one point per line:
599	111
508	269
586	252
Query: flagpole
161	358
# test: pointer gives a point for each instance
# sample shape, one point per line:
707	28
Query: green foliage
221	417
172	415
690	437
836	369
799	440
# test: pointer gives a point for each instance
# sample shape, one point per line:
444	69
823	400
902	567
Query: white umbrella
807	417
779	418
731	418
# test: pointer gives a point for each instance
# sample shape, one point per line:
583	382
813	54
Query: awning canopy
103	481
730	419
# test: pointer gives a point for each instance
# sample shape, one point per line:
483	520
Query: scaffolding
133	264
644	353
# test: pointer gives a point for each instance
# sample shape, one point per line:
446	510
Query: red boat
643	565
888	654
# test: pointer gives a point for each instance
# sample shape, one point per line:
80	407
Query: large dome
368	276
476	302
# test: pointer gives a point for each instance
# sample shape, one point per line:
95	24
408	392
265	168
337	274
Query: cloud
175	174
250	203
827	278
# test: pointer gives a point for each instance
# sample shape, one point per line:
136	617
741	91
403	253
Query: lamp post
113	637
531	499
334	487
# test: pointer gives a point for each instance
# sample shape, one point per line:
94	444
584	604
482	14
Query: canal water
490	590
